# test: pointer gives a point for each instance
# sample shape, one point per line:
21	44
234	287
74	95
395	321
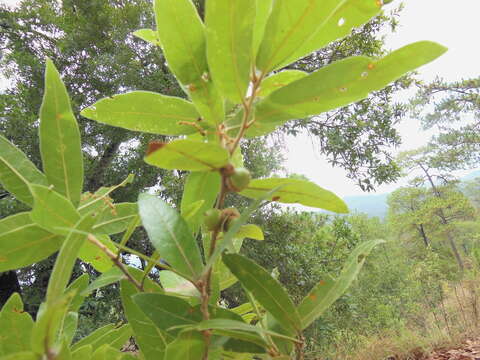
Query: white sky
454	24
451	23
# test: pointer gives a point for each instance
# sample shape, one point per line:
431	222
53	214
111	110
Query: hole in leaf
364	74
343	89
341	21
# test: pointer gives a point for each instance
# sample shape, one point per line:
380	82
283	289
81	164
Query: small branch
115	260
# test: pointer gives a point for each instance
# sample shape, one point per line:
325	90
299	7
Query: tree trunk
8	285
421	230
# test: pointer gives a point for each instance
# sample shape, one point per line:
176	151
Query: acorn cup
239	180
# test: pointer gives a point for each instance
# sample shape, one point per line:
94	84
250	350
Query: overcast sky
454	24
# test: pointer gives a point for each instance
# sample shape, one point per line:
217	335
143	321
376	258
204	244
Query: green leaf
23	243
77	287
262	13
200	186
188	346
290	28
346	15
146	112
17	171
339	84
250	231
229	29
92	254
98	200
167	311
279	80
66	258
188	155
192	209
60	146
326	292
110	335
170	235
15	327
151	340
107	278
84	352
116	219
70	327
148	35
267	290
52	211
175	284
23	355
295	191
107	352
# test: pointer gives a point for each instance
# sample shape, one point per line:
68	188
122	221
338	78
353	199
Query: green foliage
216	65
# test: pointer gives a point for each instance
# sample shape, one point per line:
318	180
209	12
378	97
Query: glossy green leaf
116	219
107	278
296	191
17	171
279	80
60	146
15	327
291	28
229	29
77	287
339	84
167	311
151	340
66	258
23	243
148	35
170	235
267	290
262	13
93	255
346	15
200	186
52	211
328	291
250	231
189	155
98	200
146	112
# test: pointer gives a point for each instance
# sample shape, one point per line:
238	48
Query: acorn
229	216
239	180
212	219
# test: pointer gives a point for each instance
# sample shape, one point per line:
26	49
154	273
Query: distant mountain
376	204
372	205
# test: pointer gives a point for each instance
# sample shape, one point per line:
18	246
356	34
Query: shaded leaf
15	327
116	219
107	278
17	171
93	255
295	191
60	146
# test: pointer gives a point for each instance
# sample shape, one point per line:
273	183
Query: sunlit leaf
148	35
93	255
279	80
115	219
15	326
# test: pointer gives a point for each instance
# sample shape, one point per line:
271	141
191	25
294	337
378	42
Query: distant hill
376	204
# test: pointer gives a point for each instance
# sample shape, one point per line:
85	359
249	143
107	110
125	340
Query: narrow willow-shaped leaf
200	186
110	335
290	27
84	352
15	327
77	287
107	278
92	337
148	35
267	290
70	327
327	292
66	259
151	340
52	211
170	235
229	29
339	84
279	80
17	171
93	255
146	112
188	155
116	219
23	355
347	15
23	243
60	146
167	311
262	13
295	191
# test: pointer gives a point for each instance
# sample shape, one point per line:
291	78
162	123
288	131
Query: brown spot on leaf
322	282
276	198
312	297
98	258
18	311
154	146
371	66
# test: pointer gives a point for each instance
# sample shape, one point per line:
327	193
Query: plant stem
116	260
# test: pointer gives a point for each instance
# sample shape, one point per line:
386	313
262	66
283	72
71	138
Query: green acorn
213	219
239	180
